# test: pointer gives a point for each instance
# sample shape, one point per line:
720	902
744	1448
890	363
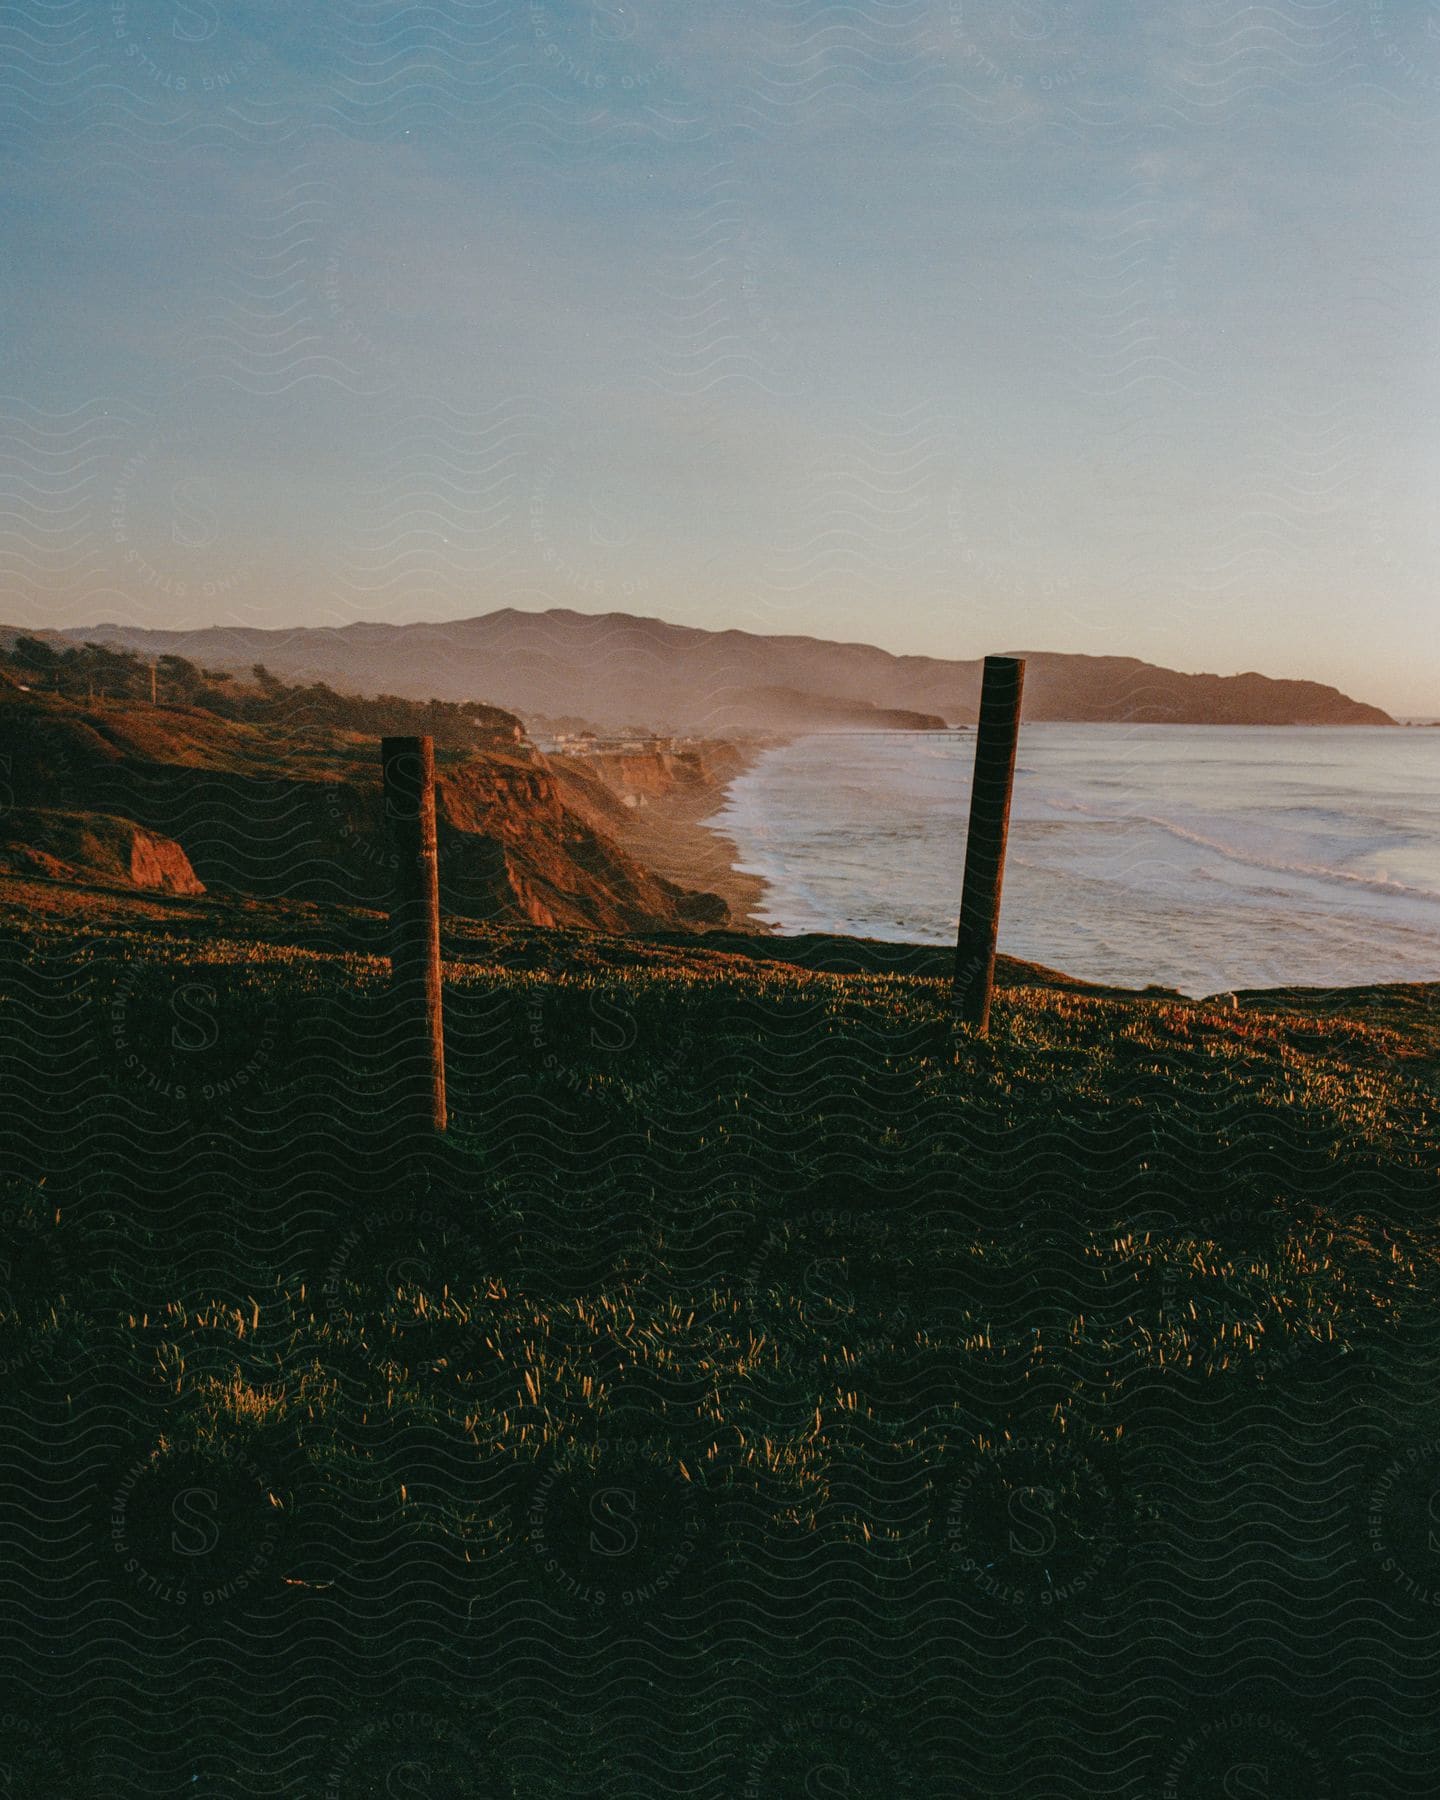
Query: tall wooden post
1001	687
409	765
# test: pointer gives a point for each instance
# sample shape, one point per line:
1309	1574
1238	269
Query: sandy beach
668	835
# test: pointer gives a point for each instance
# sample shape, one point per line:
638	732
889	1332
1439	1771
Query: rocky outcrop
96	849
160	865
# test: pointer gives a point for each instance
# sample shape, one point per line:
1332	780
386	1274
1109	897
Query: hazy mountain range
616	670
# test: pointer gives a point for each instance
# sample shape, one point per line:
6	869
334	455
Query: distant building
624	743
497	736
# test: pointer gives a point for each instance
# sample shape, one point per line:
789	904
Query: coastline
669	835
1272	868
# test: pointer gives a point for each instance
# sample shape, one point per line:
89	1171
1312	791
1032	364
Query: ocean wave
1378	884
1095	882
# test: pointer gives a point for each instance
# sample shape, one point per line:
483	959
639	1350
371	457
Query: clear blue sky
945	326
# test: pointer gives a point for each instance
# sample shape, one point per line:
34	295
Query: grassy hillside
765	1387
120	792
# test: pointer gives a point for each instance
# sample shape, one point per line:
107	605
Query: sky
947	327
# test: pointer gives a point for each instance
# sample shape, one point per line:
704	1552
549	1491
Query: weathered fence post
1001	687
409	765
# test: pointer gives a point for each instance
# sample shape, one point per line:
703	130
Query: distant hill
782	709
613	668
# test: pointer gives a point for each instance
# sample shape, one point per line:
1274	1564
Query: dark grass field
765	1390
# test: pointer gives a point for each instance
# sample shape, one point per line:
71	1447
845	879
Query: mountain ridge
621	668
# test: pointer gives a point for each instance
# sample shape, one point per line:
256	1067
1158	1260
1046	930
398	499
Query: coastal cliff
654	802
173	800
636	779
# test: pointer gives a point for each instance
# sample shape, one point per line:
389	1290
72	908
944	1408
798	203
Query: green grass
1270	1174
784	1089
781	1244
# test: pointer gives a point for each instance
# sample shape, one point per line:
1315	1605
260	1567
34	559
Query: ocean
1202	858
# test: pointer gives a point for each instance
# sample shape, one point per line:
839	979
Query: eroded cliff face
504	826
634	779
159	864
653	802
167	803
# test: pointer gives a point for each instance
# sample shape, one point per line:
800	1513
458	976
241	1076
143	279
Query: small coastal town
628	741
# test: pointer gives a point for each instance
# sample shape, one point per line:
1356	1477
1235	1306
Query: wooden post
409	765
1001	687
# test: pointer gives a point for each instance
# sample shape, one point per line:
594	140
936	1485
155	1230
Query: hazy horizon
693	625
915	324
